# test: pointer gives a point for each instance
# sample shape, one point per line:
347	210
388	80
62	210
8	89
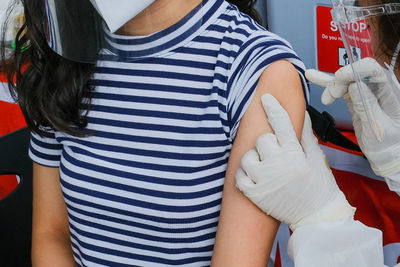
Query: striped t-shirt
145	189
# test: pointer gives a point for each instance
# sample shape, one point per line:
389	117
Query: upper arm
245	234
281	80
49	209
51	244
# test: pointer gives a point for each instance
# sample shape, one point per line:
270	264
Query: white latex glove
337	86
384	155
291	184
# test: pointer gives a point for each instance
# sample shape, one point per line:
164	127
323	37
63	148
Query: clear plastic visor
74	29
11	20
365	36
81	29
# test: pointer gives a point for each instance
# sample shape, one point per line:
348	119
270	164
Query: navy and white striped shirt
146	188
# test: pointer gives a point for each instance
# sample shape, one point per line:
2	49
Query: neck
160	15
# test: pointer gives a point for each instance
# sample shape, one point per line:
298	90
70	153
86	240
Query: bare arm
51	245
245	234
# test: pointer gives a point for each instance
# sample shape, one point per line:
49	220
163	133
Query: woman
132	153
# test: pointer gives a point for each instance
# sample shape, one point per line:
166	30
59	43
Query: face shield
368	29
11	20
81	30
78	29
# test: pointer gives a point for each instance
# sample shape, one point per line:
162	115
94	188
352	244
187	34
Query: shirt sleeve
260	50
45	150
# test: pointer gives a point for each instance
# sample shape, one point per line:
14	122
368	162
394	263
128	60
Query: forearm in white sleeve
345	243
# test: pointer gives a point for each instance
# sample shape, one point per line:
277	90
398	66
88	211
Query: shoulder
282	80
279	78
229	21
239	34
239	19
253	44
237	23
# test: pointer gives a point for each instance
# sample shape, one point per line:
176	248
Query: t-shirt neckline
167	39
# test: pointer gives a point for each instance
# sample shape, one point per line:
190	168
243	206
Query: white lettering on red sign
355	26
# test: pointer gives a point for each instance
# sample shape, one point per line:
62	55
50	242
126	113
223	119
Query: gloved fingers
279	120
333	92
319	78
327	98
354	116
243	182
267	146
345	74
350	105
333	88
347	98
370	113
249	161
349	101
367	68
361	95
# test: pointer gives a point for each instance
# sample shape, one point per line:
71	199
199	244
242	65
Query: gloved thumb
332	92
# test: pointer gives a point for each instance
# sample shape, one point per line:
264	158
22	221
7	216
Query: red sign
332	54
329	41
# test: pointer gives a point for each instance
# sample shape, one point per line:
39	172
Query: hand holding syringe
336	86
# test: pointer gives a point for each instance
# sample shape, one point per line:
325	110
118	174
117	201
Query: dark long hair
389	33
52	91
49	89
247	7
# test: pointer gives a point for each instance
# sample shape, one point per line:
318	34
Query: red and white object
11	119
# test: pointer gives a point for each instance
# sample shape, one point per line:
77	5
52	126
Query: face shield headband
346	14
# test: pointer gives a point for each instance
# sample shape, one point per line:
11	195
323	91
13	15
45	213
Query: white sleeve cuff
345	243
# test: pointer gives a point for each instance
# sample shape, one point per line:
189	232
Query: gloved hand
289	181
383	155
